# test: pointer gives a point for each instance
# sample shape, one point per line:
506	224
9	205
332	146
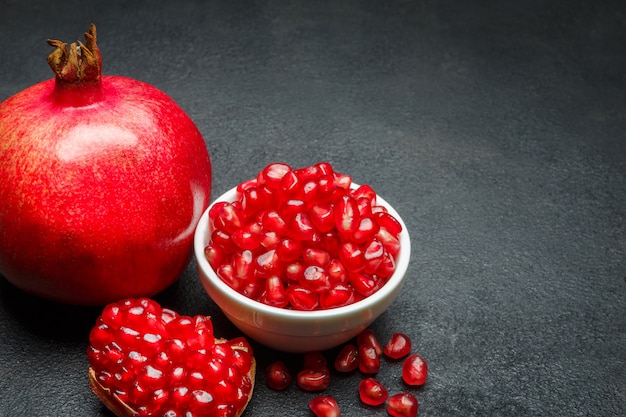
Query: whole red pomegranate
102	182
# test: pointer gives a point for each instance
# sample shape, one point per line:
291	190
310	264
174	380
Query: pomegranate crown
80	63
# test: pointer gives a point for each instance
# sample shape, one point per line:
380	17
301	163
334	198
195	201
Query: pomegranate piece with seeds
311	229
324	406
146	360
402	405
414	370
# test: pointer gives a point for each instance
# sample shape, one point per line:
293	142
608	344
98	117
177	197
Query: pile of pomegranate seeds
160	363
365	356
303	239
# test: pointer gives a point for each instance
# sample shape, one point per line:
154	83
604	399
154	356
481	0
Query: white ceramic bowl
291	330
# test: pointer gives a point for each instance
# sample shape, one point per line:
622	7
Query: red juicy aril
304	239
103	180
146	360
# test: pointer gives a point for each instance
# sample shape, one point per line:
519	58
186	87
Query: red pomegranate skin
101	188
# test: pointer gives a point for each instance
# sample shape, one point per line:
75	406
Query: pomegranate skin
101	187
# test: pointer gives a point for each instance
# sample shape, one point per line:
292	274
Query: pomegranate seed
324	406
252	200
364	284
275	294
242	187
309	195
215	255
337	272
348	359
325	169
386	267
223	240
268	263
294	271
322	217
301	228
301	298
326	188
402	405
337	296
243	266
316	279
352	256
364	191
373	256
290	208
369	360
313	379
414	370
289	249
316	257
365	231
228	218
386	220
372	392
272	220
398	346
308	173
290	186
272	175
346	215
389	241
245	239
277	376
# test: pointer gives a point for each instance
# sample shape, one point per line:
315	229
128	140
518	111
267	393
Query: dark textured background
496	128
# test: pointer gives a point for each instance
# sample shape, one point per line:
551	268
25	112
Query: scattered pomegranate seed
372	392
414	370
313	379
369	360
277	376
324	406
398	346
367	337
348	359
402	405
307	228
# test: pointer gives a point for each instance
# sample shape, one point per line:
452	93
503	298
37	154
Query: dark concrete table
497	129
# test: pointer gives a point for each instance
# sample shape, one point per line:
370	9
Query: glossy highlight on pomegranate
104	179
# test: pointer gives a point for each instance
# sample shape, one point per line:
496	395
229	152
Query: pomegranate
146	360
303	239
103	181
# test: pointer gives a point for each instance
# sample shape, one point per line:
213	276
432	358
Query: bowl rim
393	283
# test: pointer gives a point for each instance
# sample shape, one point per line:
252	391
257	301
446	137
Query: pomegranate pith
329	243
154	362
